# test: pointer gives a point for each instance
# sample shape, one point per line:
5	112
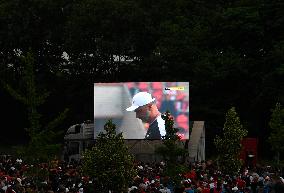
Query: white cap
212	185
4	188
19	180
140	167
140	99
235	188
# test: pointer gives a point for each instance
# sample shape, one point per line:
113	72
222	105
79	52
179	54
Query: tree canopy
229	145
109	162
42	136
276	125
231	52
172	151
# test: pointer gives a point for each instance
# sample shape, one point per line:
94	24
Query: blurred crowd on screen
176	101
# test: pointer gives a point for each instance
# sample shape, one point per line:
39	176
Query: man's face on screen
143	113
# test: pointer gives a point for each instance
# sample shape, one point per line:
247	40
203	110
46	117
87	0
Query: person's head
144	106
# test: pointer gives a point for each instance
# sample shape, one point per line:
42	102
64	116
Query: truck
80	137
77	139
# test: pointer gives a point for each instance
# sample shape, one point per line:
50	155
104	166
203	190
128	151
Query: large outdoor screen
112	99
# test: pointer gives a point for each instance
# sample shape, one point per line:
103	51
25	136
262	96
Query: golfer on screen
146	109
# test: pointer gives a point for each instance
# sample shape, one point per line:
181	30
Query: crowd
202	177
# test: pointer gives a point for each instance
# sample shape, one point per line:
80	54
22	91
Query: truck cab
78	138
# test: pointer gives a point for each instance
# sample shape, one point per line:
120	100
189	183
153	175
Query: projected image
136	108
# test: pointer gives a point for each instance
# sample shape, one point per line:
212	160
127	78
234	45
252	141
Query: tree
41	146
227	48
229	146
277	130
172	152
109	161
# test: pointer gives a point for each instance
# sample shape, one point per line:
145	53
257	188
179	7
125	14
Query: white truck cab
77	138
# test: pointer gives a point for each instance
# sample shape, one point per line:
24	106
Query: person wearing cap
146	109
